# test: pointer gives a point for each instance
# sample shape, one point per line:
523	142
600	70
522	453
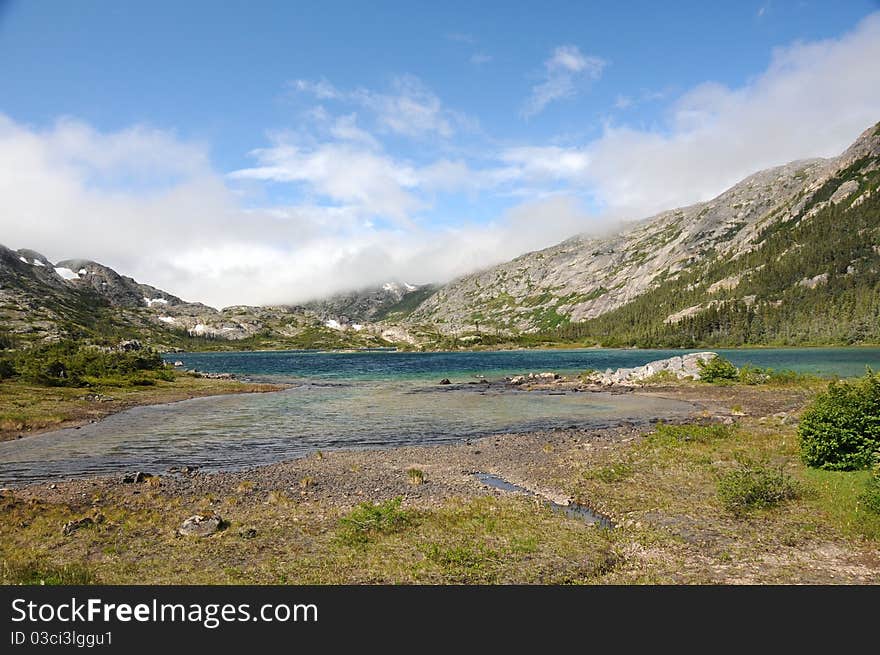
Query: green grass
674	435
838	496
369	520
755	487
35	572
612	473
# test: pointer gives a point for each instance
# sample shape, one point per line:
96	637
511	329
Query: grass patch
415	476
369	520
681	434
466	562
840	498
612	473
870	497
35	572
755	487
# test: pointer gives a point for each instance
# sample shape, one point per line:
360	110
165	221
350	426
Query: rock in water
445	381
200	526
681	367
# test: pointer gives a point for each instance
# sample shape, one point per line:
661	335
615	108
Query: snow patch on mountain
66	273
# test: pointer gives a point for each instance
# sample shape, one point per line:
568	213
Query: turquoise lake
364	400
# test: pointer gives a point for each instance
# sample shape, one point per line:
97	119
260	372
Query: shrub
369	520
749	374
7	368
717	369
870	497
752	486
70	364
840	430
661	377
7	341
416	476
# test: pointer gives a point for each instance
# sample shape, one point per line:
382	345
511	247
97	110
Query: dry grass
483	540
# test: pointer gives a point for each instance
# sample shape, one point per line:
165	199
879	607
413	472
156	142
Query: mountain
790	255
802	235
392	300
42	301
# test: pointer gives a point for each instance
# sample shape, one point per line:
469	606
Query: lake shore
289	522
28	410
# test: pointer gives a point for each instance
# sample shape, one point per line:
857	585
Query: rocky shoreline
343	478
473	512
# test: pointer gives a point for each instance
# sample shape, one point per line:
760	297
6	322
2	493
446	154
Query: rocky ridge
585	277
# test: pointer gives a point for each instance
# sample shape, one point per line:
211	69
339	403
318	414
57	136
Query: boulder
445	381
200	526
681	367
131	345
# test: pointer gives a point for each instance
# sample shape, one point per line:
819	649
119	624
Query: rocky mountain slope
584	278
392	300
788	255
42	301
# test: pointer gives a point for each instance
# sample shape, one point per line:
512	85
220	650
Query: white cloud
813	100
321	89
345	128
412	110
480	58
409	108
561	72
192	237
537	162
340	172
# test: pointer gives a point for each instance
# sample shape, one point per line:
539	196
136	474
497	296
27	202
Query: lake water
362	400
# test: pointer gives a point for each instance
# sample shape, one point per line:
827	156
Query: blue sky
349	142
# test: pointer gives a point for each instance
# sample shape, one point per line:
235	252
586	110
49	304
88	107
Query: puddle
572	509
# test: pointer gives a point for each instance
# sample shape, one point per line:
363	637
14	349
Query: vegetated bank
68	383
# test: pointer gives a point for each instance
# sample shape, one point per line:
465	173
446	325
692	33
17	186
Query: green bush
840	430
369	520
7	368
870	497
70	364
754	487
7	341
717	369
749	374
